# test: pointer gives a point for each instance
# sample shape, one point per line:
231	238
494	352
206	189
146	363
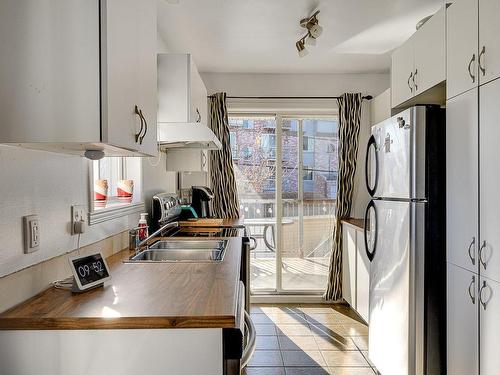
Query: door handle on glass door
472	284
472	247
483	246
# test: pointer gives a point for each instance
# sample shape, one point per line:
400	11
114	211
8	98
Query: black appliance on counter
201	196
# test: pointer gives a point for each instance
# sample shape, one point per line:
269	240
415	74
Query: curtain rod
367	97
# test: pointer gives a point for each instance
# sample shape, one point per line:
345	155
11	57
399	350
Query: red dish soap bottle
143	227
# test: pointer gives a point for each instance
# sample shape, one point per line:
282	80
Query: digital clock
89	271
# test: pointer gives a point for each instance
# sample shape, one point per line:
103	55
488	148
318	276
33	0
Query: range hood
187	135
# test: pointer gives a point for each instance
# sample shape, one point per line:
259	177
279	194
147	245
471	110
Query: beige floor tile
266	358
288	318
307	371
297	343
330	343
336	358
365	354
308	358
267	343
293	330
327	318
356	329
361	342
263	371
261	319
265	329
336	331
351	371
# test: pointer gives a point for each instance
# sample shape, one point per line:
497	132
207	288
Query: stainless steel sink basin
182	251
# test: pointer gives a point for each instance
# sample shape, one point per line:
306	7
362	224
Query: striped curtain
225	202
350	119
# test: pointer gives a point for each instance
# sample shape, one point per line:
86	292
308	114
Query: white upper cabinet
430	53
461	45
489	47
420	63
129	74
182	96
489	158
72	79
49	71
402	70
461	180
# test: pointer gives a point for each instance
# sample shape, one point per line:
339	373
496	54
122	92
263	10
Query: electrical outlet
78	219
31	233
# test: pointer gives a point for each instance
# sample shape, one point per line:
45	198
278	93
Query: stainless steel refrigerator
405	242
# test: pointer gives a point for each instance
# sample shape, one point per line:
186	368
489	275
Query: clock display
90	269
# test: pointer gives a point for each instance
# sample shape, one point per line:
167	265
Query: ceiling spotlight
310	40
301	48
314	30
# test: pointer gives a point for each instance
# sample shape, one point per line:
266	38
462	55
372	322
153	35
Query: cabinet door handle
483	303
480	61
469	68
483	246
472	286
413	79
138	135
199	115
408	82
145	127
472	247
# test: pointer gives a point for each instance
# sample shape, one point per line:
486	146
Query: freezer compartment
406	153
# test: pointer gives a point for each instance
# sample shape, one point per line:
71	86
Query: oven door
239	342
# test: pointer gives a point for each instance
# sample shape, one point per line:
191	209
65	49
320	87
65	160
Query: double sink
194	251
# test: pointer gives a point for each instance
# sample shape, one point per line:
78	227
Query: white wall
236	84
46	184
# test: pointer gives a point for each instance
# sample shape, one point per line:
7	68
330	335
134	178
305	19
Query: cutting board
201	223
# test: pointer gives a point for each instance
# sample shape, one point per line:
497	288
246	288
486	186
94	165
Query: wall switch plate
78	219
31	233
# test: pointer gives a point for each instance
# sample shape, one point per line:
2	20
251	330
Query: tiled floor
309	340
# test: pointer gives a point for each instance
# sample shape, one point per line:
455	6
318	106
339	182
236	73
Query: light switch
31	233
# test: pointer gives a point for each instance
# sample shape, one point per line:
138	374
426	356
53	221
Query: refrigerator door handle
371	254
371	143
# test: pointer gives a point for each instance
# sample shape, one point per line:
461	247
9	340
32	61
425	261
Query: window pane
253	141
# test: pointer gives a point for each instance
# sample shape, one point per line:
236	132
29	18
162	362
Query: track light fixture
314	30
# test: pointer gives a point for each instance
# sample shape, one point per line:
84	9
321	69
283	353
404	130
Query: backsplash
46	184
19	286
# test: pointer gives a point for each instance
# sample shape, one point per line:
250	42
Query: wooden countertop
358	223
156	295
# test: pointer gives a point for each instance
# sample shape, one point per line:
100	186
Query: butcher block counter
139	295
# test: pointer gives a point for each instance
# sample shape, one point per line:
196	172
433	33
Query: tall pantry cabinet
473	157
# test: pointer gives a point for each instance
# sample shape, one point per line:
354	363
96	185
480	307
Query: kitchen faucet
172	224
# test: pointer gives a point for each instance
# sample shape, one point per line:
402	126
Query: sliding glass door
286	171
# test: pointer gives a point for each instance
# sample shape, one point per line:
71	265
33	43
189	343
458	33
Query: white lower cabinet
355	270
362	277
349	265
489	332
462	321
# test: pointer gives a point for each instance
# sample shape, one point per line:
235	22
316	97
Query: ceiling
258	36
